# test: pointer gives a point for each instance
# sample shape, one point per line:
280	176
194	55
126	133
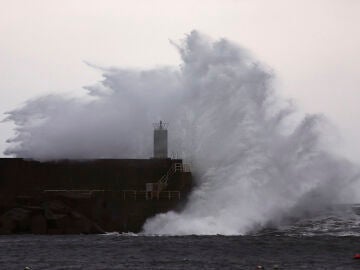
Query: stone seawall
92	196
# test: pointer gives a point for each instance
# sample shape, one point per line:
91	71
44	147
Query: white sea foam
254	157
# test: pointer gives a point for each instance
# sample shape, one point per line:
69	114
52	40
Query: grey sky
313	47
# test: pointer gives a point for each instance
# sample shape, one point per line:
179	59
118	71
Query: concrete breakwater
89	196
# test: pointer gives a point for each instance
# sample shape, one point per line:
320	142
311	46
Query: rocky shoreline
51	217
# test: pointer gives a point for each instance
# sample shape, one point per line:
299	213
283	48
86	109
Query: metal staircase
176	167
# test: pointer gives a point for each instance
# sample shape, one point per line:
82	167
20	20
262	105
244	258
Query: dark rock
81	224
57	206
15	220
38	224
7	226
61	219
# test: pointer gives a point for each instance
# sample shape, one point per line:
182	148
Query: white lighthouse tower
160	140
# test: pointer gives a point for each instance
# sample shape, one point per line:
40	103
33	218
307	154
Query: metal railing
125	195
158	194
176	167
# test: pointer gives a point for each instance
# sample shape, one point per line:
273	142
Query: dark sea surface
325	242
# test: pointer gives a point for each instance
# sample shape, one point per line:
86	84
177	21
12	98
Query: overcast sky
312	46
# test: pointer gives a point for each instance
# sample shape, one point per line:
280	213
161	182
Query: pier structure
91	196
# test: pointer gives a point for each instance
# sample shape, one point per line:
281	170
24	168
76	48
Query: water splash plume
255	158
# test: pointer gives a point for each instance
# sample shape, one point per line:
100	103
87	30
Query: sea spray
255	159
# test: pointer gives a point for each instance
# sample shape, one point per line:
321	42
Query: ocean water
328	241
184	252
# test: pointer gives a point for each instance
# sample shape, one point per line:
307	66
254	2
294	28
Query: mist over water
257	161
